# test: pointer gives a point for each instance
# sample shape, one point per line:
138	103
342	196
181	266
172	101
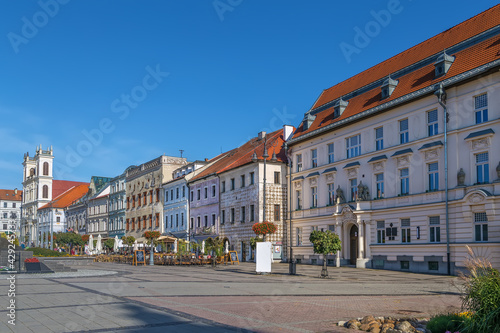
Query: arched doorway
354	244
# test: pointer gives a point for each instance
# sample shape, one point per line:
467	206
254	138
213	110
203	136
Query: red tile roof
61	186
10	195
67	198
465	60
243	154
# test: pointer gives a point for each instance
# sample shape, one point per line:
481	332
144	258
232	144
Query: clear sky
110	84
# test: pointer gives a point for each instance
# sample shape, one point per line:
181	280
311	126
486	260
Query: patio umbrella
98	246
115	245
227	247
175	246
203	247
91	243
136	247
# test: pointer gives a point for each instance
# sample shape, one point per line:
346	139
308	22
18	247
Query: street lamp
151	254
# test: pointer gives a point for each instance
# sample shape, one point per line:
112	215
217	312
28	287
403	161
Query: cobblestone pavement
106	297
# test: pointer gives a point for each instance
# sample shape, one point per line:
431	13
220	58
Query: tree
215	245
109	244
128	240
325	242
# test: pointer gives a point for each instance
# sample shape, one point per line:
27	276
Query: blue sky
113	83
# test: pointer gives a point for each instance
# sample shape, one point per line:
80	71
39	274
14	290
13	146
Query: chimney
287	132
262	135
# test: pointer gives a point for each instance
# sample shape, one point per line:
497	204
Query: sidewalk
226	299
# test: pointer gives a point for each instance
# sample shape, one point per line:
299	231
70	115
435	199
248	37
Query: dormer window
308	120
388	87
443	64
339	107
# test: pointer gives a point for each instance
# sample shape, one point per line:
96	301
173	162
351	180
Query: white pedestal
264	257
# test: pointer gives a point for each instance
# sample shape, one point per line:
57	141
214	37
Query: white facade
98	214
409	170
10	211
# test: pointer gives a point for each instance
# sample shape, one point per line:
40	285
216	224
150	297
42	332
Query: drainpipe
289	199
441	95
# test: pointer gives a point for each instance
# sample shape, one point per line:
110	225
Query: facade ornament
431	154
379	166
352	172
340	195
403	160
475	198
363	192
313	181
480	143
461	177
329	177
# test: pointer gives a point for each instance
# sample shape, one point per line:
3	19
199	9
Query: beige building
370	158
144	209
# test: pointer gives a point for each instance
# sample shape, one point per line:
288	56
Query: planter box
33	267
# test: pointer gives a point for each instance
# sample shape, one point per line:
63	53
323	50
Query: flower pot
33	266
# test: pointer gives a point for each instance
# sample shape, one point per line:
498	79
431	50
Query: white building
10	211
98	213
369	158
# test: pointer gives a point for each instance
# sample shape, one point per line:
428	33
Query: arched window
45	192
46	168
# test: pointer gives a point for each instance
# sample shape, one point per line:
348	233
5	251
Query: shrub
445	323
41	252
481	295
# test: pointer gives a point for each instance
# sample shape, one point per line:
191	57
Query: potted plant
32	265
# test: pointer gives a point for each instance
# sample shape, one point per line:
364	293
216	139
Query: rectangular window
404	180
223	187
299	236
379	138
192	196
171	194
243	214
433	176
184	191
331	227
206	192
433	266
138	200
205	218
331	195
314	158
199	221
177	220
13	205
481	108
182	219
403	131
277	215
331	154
252	178
354	189
432	122
213	191
232	184
213	219
232	215
299	199
380	185
242	180
299	162
380	232
481	227
405	231
223	217
192	223
353	145
391	232
177	193
482	168
277	177
198	194
405	264
434	229
314	197
171	221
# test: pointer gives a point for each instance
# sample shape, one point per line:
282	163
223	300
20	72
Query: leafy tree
216	246
254	241
325	242
109	243
128	240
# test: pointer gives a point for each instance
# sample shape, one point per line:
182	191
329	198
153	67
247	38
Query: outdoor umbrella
227	247
91	243
136	247
98	246
175	246
203	247
115	245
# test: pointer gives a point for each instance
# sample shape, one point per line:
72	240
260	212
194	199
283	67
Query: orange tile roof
243	154
67	198
10	195
465	60
61	186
